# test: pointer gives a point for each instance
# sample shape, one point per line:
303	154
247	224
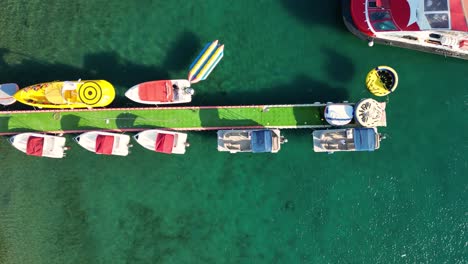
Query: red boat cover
459	21
164	143
464	44
158	91
34	146
104	144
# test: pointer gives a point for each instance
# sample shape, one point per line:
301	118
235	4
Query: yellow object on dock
382	81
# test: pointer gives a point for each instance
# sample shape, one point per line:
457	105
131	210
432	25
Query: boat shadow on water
315	13
120	72
300	90
225	119
338	67
182	52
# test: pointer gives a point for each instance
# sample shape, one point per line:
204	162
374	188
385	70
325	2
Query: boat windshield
381	20
261	141
435	5
437	13
438	20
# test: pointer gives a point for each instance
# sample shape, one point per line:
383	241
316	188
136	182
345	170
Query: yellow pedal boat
67	94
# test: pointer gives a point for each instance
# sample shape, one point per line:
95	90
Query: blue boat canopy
261	141
364	139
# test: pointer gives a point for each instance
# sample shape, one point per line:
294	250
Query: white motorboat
40	145
161	92
256	141
163	141
104	143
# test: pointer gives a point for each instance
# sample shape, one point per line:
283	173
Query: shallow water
405	203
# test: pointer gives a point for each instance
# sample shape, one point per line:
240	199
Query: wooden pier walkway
176	118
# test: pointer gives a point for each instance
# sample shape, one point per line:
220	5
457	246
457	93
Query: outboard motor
189	90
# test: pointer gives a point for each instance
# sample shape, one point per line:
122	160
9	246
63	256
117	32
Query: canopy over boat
164	143
160	91
261	141
339	114
364	139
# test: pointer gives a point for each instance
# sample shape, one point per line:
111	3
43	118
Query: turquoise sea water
405	203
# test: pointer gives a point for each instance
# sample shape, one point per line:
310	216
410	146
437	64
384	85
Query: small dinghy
104	143
40	145
163	141
7	91
161	92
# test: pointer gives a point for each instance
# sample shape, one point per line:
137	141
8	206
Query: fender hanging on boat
206	61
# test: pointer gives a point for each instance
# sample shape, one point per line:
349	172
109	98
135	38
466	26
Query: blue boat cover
364	139
261	141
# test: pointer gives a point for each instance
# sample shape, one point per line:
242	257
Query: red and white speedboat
40	145
104	143
436	26
163	141
161	92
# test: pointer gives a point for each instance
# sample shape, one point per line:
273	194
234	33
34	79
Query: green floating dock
177	118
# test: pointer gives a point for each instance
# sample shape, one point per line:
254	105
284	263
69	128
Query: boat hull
88	94
352	27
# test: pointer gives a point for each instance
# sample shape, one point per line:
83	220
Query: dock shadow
126	120
225	119
316	13
72	122
4	123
